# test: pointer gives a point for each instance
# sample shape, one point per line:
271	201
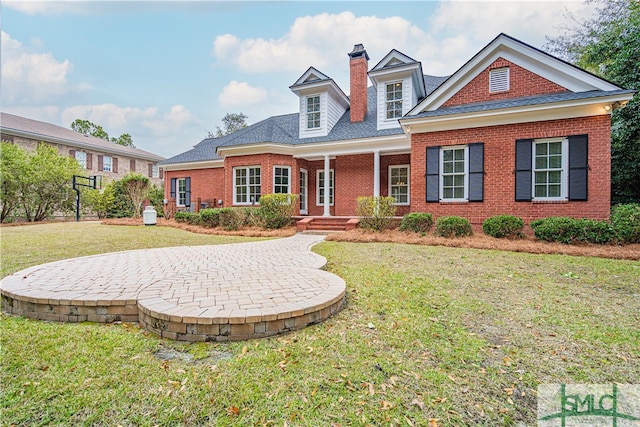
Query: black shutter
523	169
187	182
578	167
433	174
476	172
172	194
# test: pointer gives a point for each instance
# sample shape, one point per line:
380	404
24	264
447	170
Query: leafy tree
45	185
156	198
231	122
88	128
136	188
13	162
99	202
609	45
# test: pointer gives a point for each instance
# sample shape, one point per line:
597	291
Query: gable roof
396	61
33	129
535	60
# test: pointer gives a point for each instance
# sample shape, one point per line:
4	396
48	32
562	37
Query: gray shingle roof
52	133
519	102
284	130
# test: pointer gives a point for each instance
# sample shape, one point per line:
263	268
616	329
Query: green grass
458	335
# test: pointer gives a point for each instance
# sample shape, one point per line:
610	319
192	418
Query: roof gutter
52	139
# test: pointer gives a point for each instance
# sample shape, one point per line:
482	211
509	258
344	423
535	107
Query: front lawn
430	336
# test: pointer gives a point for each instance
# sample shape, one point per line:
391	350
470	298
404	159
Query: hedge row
275	211
623	228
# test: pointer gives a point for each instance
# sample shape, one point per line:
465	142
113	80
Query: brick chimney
358	67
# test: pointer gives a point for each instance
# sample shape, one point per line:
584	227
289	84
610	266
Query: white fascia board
394	143
83	145
534	113
388	144
544	65
393	73
321	86
208	164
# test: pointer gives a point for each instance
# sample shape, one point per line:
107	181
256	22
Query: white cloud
35	76
456	31
302	47
238	94
163	133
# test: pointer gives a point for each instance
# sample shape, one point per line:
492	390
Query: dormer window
499	80
394	100
313	112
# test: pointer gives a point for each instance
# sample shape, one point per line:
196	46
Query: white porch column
376	173
327	187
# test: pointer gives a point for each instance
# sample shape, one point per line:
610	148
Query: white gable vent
499	80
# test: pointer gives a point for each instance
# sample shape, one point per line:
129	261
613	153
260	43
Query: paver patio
195	293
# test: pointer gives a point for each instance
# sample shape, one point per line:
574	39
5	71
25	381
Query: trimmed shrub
626	222
251	217
376	213
500	226
210	218
453	226
571	230
276	210
418	222
183	217
231	219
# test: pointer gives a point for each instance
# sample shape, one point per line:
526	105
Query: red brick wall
206	184
499	180
358	88
266	163
522	83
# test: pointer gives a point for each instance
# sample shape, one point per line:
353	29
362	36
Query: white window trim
408	183
288	168
386	110
466	173
332	188
104	163
319	112
248	202
494	87
83	160
155	171
178	180
564	177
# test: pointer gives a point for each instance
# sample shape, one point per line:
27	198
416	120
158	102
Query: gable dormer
322	103
399	83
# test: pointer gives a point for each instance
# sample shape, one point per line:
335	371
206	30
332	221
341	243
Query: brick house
96	156
513	131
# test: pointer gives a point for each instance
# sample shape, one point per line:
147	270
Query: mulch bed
477	241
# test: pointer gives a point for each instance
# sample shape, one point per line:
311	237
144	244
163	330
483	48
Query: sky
167	72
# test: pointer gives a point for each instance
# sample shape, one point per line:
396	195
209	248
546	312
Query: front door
303	192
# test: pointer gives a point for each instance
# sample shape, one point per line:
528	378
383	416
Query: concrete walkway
195	293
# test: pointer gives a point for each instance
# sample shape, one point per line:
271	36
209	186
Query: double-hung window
399	184
394	100
155	171
181	192
549	169
81	157
246	185
313	112
320	187
107	163
454	166
282	179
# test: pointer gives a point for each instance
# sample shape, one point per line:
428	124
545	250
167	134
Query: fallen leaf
419	403
433	422
244	350
233	410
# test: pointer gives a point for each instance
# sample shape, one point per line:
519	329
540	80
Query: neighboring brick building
96	156
514	131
